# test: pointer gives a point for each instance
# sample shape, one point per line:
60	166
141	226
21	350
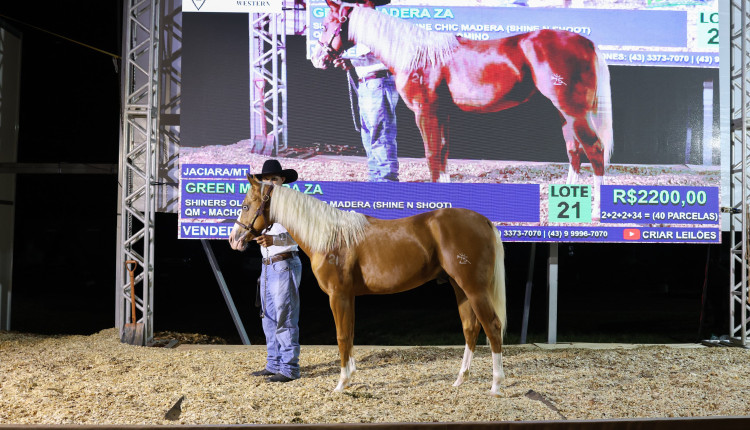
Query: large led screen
559	120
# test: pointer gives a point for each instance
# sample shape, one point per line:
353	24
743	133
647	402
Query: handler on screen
377	99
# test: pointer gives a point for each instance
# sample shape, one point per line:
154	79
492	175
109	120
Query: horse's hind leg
574	152
342	306
433	125
471	327
591	144
482	305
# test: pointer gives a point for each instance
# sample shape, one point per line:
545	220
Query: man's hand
264	240
342	64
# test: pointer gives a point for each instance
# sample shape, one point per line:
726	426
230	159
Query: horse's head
334	39
254	217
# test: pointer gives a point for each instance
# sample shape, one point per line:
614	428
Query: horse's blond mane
314	223
399	44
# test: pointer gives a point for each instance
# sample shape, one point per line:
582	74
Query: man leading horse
435	70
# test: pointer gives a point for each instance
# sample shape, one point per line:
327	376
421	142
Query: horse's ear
335	5
252	180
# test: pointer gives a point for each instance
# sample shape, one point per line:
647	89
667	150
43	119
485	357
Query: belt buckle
375	75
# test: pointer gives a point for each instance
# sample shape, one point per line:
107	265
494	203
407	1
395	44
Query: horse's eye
244	207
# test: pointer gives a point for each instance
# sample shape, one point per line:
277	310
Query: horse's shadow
387	358
320	369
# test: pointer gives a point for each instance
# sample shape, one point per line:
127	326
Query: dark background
65	232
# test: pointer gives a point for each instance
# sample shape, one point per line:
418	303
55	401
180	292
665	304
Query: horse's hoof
341	386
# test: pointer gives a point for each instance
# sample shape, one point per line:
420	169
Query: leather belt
375	75
279	257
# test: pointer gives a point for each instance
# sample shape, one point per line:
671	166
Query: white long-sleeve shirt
363	60
282	241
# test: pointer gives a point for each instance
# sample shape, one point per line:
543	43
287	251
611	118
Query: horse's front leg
434	127
342	305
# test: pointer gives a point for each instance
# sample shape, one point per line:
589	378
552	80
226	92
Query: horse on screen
481	76
352	254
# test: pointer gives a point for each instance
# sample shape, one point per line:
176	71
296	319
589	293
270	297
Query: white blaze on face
239	219
236	237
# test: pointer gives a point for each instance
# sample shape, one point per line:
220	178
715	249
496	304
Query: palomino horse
481	76
352	254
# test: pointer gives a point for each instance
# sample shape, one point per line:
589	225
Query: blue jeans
279	283
377	116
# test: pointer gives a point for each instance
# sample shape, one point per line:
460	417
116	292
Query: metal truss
138	160
268	91
170	91
739	308
150	129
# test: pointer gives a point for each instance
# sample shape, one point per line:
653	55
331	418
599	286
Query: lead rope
265	278
265	281
352	85
263	290
264	267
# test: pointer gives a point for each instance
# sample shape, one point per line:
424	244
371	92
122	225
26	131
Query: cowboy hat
273	167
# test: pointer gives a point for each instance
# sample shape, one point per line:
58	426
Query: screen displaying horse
433	70
520	102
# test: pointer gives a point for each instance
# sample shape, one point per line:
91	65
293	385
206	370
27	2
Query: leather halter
265	198
343	30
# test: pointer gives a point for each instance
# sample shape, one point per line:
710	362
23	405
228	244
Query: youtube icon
631	234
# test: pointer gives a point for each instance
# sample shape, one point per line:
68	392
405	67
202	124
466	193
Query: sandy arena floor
98	380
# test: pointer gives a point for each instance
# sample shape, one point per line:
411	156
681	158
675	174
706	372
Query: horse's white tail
602	119
498	282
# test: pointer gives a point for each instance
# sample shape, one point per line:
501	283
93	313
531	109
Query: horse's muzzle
321	61
238	239
322	56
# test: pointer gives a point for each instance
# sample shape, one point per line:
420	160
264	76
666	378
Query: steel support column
170	68
739	309
268	95
138	156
